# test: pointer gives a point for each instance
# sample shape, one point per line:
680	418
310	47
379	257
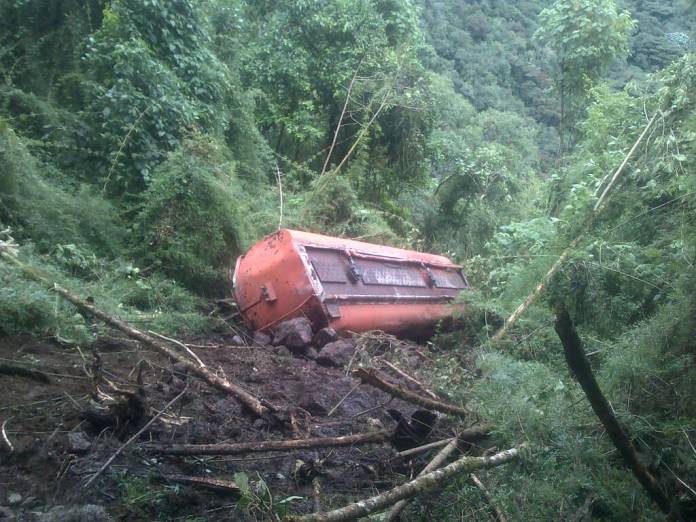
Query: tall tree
584	38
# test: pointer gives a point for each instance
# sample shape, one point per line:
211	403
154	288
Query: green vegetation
145	144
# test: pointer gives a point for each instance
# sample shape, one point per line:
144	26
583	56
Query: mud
52	460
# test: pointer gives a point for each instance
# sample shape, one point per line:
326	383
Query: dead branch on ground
135	437
207	482
409	378
420	485
260	408
373	378
268	445
19	371
581	369
499	515
434	464
468	435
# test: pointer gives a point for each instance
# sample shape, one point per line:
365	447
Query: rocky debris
261	339
85	513
237	340
14	498
311	352
294	334
324	336
337	353
78	442
6	514
282	350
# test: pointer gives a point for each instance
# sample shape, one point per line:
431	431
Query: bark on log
434	464
268	445
420	485
254	404
581	369
28	373
373	378
207	482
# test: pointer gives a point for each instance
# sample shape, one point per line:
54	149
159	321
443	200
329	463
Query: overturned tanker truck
346	284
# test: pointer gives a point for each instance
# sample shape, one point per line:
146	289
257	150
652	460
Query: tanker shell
346	284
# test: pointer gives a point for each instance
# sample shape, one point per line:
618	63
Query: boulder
324	336
261	339
295	333
78	442
337	353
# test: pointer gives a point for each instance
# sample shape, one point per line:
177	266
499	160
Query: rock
295	333
237	341
86	513
311	353
282	351
261	339
78	442
319	404
14	498
324	336
336	354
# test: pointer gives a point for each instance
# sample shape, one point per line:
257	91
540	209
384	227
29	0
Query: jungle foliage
144	144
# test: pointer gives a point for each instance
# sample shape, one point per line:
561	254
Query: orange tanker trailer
348	285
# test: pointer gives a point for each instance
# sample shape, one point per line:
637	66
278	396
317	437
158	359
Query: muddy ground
56	449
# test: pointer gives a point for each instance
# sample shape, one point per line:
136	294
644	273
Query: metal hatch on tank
346	284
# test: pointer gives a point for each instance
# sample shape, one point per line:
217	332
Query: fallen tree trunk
581	369
268	445
28	373
372	378
424	484
254	404
434	464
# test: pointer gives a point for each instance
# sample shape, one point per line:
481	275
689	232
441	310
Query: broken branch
372	378
212	483
500	516
268	445
246	398
423	484
409	378
135	437
180	345
434	464
19	371
470	434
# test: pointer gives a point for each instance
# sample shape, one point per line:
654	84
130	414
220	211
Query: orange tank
348	285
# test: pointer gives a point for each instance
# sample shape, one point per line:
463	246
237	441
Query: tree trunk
581	369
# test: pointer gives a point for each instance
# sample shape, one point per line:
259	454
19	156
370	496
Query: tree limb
373	378
268	445
420	485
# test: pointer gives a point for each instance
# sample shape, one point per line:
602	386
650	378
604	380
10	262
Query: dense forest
146	144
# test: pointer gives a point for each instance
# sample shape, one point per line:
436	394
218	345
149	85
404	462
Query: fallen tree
581	369
268	445
420	485
373	378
